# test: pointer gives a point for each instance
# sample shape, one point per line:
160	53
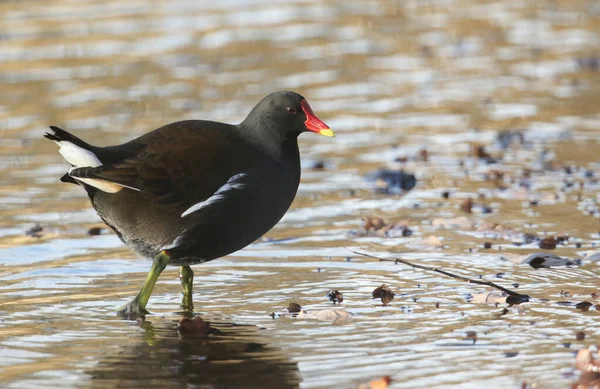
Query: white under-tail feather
80	157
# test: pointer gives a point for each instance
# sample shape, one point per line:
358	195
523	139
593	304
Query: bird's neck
277	147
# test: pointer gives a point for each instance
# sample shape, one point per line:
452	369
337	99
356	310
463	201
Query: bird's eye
291	110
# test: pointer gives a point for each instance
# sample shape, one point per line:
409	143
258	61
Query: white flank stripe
232	184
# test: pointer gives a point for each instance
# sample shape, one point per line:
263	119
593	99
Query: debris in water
580	335
384	293
294	308
391	181
471	335
36	231
380	383
487	245
467	205
548	243
335	296
589	369
194	327
95	231
488	298
515	298
546	260
584	306
376	226
318	165
430	241
332	315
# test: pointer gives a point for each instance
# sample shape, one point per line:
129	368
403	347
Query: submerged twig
517	297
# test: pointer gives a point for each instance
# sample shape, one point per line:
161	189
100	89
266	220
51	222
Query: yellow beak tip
327	132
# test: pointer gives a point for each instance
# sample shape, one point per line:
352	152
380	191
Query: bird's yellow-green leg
136	308
186	275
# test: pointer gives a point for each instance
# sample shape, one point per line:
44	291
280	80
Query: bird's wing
166	164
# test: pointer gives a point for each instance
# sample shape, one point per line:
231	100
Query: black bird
195	190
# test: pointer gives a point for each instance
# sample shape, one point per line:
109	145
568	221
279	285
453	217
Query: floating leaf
384	293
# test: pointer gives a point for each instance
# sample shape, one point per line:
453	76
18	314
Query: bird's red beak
313	123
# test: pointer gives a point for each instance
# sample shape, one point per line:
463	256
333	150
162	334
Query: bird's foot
132	310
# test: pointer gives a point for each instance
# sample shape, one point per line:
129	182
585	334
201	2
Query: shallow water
392	79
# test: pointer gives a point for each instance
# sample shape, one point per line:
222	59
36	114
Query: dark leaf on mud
294	308
392	181
548	243
194	327
546	260
95	231
36	231
584	306
335	296
384	293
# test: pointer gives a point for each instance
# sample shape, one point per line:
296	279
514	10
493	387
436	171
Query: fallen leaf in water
471	335
193	327
430	241
377	226
580	335
380	383
488	298
294	308
461	222
391	181
384	293
335	296
548	243
467	205
95	231
36	231
373	223
332	315
589	369
546	260
584	306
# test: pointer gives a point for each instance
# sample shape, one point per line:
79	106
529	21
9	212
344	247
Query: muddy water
392	79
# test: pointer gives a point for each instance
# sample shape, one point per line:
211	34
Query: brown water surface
392	78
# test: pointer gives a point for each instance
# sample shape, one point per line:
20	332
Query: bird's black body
165	172
195	190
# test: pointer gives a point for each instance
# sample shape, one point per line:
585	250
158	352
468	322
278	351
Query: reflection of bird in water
234	356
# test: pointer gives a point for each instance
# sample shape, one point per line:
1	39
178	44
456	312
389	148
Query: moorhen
195	190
